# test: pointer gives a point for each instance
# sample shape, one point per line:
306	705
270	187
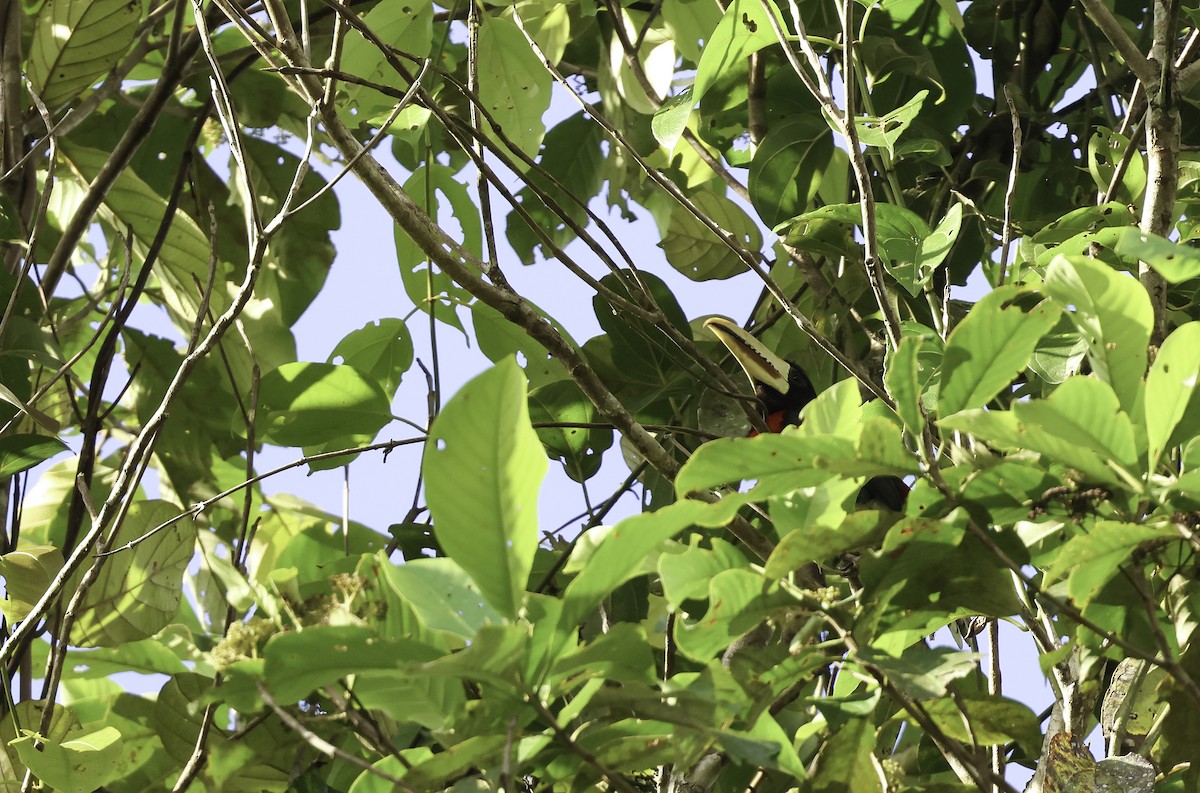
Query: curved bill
762	366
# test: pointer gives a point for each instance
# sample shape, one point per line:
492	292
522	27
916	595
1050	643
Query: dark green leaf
22	452
788	167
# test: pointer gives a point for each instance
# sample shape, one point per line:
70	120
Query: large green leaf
694	250
574	165
298	261
1083	413
1112	311
183	262
82	762
22	452
27	573
989	348
1170	385
299	662
986	720
304	404
138	590
483	470
788	166
405	26
514	87
623	550
382	350
1174	261
76	42
743	30
442	594
1089	560
729	460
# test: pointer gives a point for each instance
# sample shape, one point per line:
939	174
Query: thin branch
1011	189
1112	30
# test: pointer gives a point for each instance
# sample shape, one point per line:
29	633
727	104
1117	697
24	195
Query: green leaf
483	470
299	662
656	56
183	262
147	656
694	250
305	404
1095	557
788	166
846	763
1086	219
381	349
937	246
904	384
685	575
1106	148
81	763
22	452
442	594
729	460
579	449
883	131
138	591
743	30
514	87
620	555
814	542
737	601
1173	261
297	262
573	165
27	573
670	120
989	348
1170	385
922	672
1112	311
405	26
992	720
76	42
499	338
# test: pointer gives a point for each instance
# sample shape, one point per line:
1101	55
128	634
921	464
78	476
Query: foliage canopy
754	628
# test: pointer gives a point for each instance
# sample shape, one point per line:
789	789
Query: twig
1011	190
1112	30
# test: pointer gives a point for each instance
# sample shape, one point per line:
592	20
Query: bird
783	389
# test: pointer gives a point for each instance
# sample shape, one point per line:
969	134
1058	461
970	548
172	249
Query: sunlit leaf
382	349
138	590
788	166
1113	312
744	29
989	348
1170	385
76	42
21	452
483	469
